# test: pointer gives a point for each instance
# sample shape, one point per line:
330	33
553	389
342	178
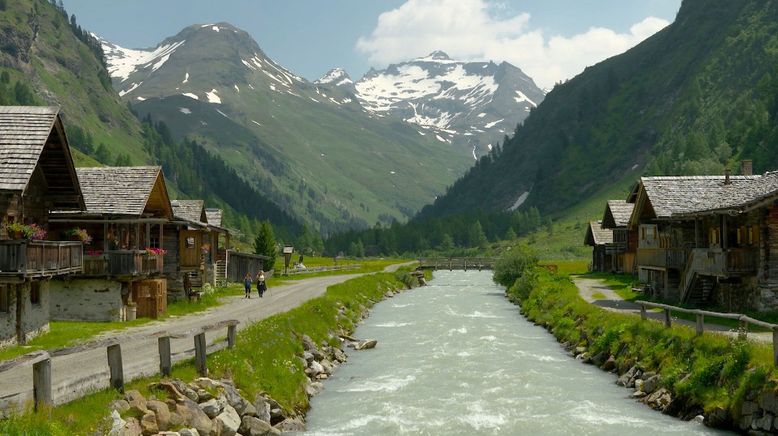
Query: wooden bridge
457	263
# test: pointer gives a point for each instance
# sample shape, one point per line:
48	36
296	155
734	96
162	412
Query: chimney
746	167
726	176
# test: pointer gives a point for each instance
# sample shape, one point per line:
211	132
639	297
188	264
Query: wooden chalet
599	238
126	212
198	245
624	246
710	240
36	176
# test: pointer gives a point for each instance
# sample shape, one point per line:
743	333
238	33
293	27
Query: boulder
168	433
308	344
609	364
207	384
117	424
327	365
131	428
764	423
660	399
240	404
136	402
212	408
627	376
251	426
313	388
315	368
176	420
203	395
749	408
162	413
276	415
262	406
185	390
120	406
189	432
148	423
599	358
318	355
366	345
651	384
194	417
227	423
291	425
339	355
307	356
579	350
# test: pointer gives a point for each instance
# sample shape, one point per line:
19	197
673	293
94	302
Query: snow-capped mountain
301	142
473	103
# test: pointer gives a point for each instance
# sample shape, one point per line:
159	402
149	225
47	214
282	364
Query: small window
753	235
5	299
35	293
643	233
190	242
740	235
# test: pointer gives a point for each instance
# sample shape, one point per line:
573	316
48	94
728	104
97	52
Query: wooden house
710	240
36	176
623	248
599	238
219	245
126	212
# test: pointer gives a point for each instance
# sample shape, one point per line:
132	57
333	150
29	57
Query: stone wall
34	316
86	300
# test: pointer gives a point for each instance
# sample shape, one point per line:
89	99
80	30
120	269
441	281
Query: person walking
261	285
247	286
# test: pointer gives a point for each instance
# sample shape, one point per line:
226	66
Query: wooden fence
457	263
700	321
41	360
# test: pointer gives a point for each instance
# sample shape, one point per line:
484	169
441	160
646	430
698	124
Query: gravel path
587	288
75	375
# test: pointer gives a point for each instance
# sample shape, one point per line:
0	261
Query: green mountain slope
316	154
47	59
692	99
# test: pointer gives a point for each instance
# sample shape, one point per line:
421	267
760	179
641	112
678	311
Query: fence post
700	323
165	362
643	312
232	331
41	383
115	364
200	354
668	320
742	331
775	347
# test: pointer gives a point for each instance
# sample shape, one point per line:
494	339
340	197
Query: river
456	358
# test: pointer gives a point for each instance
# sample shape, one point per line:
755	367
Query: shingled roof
121	190
214	217
596	235
190	210
617	213
23	134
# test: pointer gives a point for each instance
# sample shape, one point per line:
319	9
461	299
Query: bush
514	264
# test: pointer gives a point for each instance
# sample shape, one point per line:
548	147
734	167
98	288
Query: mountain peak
336	76
437	55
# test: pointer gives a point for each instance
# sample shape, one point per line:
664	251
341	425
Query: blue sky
545	38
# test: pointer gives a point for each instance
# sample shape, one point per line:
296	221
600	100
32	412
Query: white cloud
479	30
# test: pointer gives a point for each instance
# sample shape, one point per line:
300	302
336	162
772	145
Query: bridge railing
457	263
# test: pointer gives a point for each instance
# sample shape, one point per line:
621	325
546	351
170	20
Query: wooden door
190	242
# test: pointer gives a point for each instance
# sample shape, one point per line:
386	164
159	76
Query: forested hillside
46	58
693	99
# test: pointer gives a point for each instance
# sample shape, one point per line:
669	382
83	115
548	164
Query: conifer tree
265	244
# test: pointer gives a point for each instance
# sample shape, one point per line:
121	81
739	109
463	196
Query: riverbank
730	383
265	361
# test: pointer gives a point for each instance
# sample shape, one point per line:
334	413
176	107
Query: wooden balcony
724	263
35	259
123	263
661	258
616	248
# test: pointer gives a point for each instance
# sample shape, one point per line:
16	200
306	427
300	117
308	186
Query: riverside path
78	374
589	288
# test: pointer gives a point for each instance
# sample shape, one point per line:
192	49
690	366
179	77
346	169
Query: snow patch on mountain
132	87
336	76
122	62
190	95
213	97
186	78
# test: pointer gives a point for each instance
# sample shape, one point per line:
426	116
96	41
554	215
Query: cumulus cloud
480	30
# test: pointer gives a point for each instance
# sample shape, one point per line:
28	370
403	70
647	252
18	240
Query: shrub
513	265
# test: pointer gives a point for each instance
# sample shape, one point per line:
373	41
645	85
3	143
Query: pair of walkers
261	285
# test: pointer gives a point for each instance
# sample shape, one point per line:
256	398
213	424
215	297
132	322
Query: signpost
288	250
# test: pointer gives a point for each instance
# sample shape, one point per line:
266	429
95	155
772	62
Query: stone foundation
86	300
34	315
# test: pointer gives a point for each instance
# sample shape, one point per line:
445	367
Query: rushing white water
456	358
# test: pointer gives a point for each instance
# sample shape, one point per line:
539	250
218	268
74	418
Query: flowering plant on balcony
156	251
32	232
36	233
92	252
205	248
78	234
